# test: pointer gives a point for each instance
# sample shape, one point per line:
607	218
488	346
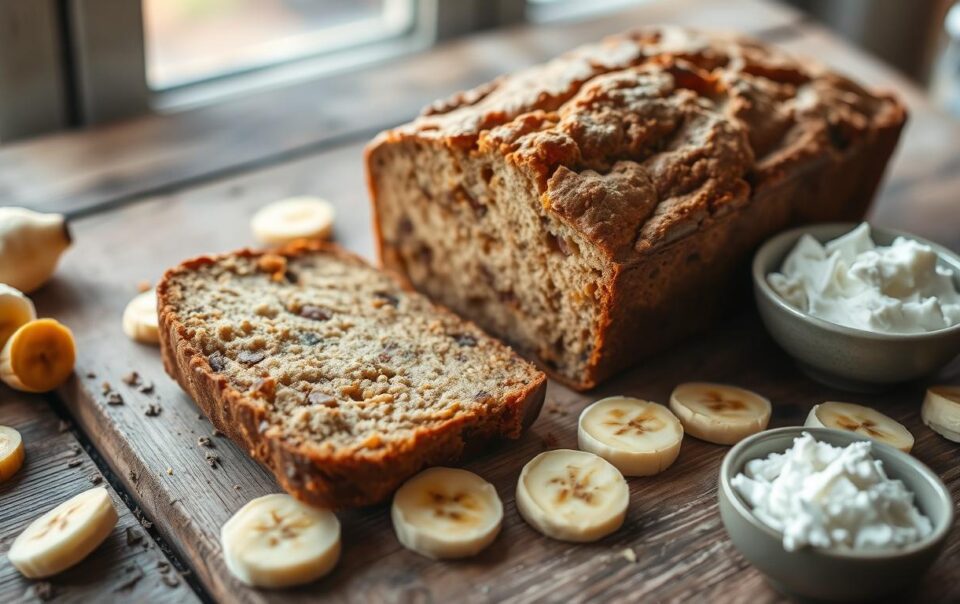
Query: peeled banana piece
30	246
446	513
277	541
718	413
638	437
572	495
65	535
11	452
15	310
861	420
38	357
140	321
941	411
295	218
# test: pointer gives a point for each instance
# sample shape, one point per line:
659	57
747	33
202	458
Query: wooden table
150	192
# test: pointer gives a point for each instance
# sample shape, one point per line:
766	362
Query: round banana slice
638	437
11	452
446	513
718	413
941	411
295	218
277	541
65	535
572	495
862	420
140	318
15	310
38	357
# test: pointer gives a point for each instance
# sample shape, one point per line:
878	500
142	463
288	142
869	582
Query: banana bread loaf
340	381
594	209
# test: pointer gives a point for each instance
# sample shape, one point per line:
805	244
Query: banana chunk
11	452
718	413
276	541
941	411
638	437
572	495
295	218
15	310
30	246
140	318
65	535
38	357
446	513
861	420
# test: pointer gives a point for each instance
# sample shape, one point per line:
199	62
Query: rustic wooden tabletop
147	193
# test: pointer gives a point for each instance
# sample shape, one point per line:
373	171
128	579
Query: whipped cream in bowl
826	514
852	281
860	307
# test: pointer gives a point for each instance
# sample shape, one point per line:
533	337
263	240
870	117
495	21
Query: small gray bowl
833	575
840	356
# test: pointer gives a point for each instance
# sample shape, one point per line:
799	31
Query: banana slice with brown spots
277	541
446	513
572	495
65	535
861	420
719	413
638	437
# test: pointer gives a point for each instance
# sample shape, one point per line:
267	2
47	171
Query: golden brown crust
674	153
640	139
315	475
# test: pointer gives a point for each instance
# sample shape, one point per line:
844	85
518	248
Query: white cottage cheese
886	289
830	497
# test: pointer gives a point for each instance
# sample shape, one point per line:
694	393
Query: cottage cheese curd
830	497
886	289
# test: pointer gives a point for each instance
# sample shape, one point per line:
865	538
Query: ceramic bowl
833	575
841	356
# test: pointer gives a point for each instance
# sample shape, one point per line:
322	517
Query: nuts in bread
340	381
596	208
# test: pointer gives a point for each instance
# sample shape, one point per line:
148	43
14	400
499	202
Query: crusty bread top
340	359
635	140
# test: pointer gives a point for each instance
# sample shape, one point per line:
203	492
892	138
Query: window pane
193	40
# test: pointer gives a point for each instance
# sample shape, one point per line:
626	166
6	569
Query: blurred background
68	64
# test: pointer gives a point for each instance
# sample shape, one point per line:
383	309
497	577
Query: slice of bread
334	376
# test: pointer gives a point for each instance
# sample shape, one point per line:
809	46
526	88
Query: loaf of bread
595	209
339	380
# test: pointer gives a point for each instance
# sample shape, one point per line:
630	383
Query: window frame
93	68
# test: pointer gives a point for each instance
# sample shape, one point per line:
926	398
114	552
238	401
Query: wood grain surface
55	469
673	527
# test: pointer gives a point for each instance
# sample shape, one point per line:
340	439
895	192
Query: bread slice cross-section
334	376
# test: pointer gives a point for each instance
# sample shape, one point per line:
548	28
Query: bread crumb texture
338	356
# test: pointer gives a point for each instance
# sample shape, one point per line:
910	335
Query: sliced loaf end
333	375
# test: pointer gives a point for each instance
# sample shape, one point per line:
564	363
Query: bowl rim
759	274
939	532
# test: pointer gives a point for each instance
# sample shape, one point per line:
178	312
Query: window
189	41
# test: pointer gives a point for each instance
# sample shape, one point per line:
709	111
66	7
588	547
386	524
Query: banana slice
638	437
295	218
572	495
276	541
941	411
11	452
446	513
38	357
862	420
140	318
718	413
65	535
15	310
